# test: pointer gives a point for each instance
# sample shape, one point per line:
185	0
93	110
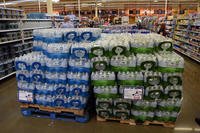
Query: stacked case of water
57	73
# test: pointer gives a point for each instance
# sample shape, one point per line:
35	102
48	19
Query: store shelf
181	30
9	19
184	53
188	43
180	35
28	38
195	25
195	38
183	24
197	32
10	41
194	44
9	30
35	19
36	28
7	76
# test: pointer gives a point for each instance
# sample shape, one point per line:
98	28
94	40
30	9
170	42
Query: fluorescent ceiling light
7	3
155	0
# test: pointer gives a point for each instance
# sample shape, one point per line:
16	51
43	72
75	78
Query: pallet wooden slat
132	122
54	109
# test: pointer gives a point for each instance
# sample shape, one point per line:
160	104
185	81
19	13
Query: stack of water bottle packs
133	76
136	77
57	73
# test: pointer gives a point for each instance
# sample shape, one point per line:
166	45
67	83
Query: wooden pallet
54	109
130	122
65	116
164	124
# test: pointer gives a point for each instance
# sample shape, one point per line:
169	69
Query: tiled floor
11	121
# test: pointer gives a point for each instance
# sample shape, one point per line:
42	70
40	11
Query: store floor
11	121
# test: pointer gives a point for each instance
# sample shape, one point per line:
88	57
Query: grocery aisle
11	120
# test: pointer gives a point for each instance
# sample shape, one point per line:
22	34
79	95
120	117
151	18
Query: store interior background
108	8
104	9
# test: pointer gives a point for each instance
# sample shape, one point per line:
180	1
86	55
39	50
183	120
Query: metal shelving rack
20	29
188	40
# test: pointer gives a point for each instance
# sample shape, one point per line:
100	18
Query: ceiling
32	5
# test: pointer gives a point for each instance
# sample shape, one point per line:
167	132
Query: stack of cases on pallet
136	77
57	73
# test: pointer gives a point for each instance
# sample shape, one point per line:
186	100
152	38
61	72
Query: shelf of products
187	34
16	36
186	54
10	13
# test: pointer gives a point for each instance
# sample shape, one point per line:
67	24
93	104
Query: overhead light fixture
155	1
99	4
7	3
56	1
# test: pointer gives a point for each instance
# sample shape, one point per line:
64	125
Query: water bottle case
98	51
37	49
78	92
119	50
38	38
79	53
55	81
122	104
121	114
165	46
56	69
170	105
78	82
86	36
58	102
104	103
76	104
56	55
104	113
174	80
37	66
43	92
79	69
37	78
153	80
71	36
53	40
22	77
150	65
61	91
21	65
173	92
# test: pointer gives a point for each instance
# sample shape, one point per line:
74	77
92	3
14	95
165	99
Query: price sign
25	96
134	93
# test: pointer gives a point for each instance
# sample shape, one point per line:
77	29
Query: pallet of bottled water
136	78
54	78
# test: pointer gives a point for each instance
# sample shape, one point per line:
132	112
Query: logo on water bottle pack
79	53
100	65
153	80
98	52
22	66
